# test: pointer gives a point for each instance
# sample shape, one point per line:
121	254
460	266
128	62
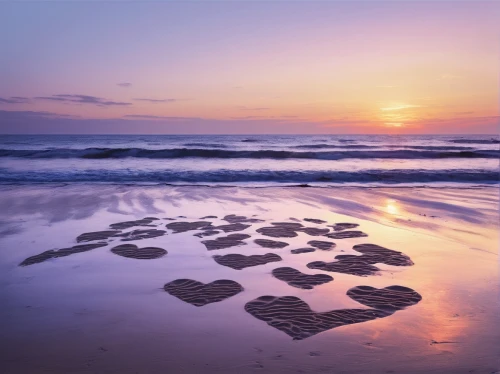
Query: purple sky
249	67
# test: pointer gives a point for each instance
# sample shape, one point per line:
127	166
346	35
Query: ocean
252	160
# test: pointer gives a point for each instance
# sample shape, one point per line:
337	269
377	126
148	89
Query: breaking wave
117	153
224	176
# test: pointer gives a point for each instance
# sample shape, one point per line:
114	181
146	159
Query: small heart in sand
346	235
390	298
300	280
133	251
238	262
199	294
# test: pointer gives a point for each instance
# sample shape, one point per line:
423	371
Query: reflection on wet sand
452	244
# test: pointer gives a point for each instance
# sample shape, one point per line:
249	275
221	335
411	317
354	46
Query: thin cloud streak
15	100
157	100
82	99
150	117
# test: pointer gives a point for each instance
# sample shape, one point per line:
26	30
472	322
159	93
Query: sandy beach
245	187
123	305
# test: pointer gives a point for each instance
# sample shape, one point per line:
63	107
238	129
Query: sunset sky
250	67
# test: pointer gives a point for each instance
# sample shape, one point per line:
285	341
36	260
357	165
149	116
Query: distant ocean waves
118	153
257	160
222	176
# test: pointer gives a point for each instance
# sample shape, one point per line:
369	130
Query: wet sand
122	279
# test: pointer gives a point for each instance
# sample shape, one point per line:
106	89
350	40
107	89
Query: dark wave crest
117	153
207	145
393	146
223	176
476	141
333	146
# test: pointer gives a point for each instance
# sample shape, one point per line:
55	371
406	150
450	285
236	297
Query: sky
277	67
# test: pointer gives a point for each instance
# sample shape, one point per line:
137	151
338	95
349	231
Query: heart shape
133	251
222	242
266	243
199	294
238	262
300	280
295	318
390	298
346	235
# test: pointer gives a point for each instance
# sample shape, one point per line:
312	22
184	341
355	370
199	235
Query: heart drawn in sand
295	318
300	280
199	294
390	298
133	251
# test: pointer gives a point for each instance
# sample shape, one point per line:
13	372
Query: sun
394	124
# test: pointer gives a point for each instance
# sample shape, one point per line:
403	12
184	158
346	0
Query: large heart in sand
133	251
199	294
295	318
390	298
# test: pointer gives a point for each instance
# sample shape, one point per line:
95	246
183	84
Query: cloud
14	100
82	99
30	114
157	100
265	117
150	117
124	84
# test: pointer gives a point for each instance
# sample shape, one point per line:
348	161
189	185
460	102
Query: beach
245	187
107	310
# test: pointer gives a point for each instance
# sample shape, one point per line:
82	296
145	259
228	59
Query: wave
363	146
117	153
206	145
332	146
476	141
246	176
